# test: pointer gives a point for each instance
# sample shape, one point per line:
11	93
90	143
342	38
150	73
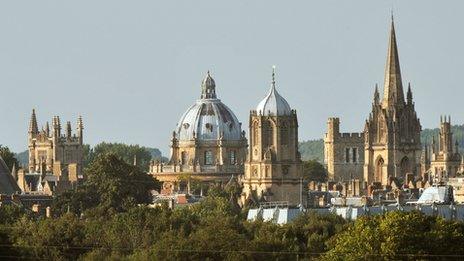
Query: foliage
9	157
314	171
126	152
397	235
111	184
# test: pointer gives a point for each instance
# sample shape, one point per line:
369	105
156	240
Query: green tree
397	235
314	171
126	152
9	157
110	183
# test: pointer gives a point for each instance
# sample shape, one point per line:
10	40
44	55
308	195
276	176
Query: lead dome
273	104
208	118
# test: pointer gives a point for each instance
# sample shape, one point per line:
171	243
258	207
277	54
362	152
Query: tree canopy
9	157
314	171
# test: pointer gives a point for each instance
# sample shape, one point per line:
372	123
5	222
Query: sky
131	68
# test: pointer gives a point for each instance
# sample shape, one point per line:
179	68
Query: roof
7	183
273	104
208	118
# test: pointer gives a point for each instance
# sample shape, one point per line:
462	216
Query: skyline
145	115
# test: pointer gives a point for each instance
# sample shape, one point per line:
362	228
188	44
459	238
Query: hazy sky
131	68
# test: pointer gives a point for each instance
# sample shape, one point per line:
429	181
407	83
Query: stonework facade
273	168
344	153
207	146
391	136
54	157
445	161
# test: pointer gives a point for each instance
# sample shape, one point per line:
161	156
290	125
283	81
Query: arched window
269	134
379	170
208	157
255	133
184	157
284	135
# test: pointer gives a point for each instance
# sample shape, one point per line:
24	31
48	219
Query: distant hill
314	149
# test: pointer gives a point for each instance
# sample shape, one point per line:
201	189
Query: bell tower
273	168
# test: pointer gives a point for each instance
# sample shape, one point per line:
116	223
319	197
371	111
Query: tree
110	183
314	171
126	152
397	235
9	157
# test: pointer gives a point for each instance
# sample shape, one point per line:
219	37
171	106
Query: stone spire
393	87
33	127
208	87
376	94
409	95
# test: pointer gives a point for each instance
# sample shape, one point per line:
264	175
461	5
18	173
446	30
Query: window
208	157
232	157
255	133
347	155
355	155
183	157
284	136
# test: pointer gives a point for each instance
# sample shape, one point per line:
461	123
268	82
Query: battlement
352	135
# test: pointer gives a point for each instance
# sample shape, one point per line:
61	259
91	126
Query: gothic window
404	165
347	155
355	155
379	170
184	157
284	135
255	133
208	157
232	157
269	134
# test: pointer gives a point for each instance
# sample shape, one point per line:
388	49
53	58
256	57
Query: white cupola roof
273	104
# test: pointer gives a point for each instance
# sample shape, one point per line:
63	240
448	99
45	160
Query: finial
273	76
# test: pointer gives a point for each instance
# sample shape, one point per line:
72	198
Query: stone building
55	158
344	153
273	169
391	136
208	144
445	161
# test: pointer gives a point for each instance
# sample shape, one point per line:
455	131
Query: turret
80	129
333	128
56	124
33	127
68	130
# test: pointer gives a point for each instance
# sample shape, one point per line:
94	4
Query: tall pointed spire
33	128
393	87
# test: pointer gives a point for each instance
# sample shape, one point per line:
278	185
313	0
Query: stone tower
392	131
53	152
273	169
446	160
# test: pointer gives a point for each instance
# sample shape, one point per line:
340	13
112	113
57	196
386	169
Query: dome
208	118
273	104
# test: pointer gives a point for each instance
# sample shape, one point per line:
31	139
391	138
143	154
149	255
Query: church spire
393	88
